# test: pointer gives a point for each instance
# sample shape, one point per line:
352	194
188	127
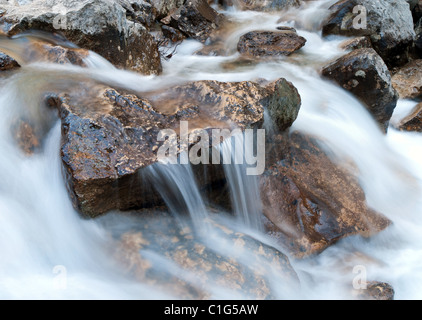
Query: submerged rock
97	25
379	291
389	25
108	137
364	73
191	267
408	80
312	202
270	43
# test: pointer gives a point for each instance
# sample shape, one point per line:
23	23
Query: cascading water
42	237
244	188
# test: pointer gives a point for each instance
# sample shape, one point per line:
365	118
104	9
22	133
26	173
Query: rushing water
47	251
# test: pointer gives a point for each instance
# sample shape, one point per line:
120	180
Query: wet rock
408	80
57	54
377	291
7	63
356	43
97	25
310	201
261	5
284	104
270	43
414	121
108	137
196	19
184	252
364	73
389	25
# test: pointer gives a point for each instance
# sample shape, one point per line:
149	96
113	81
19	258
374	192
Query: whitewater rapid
48	252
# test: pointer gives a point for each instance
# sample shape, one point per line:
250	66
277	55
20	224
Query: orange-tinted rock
184	250
413	122
26	138
408	80
312	202
109	137
379	291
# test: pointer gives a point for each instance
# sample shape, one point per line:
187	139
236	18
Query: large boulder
311	202
389	24
245	272
364	73
408	80
110	136
97	25
270	43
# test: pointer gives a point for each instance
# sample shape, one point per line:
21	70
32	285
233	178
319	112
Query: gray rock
364	73
98	25
389	25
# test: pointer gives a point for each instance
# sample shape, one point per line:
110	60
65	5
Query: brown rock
109	137
377	291
356	43
364	73
270	43
312	202
413	122
182	247
408	80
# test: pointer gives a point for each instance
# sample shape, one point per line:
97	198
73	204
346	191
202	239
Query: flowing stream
48	251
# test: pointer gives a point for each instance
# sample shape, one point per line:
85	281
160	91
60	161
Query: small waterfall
177	185
244	190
